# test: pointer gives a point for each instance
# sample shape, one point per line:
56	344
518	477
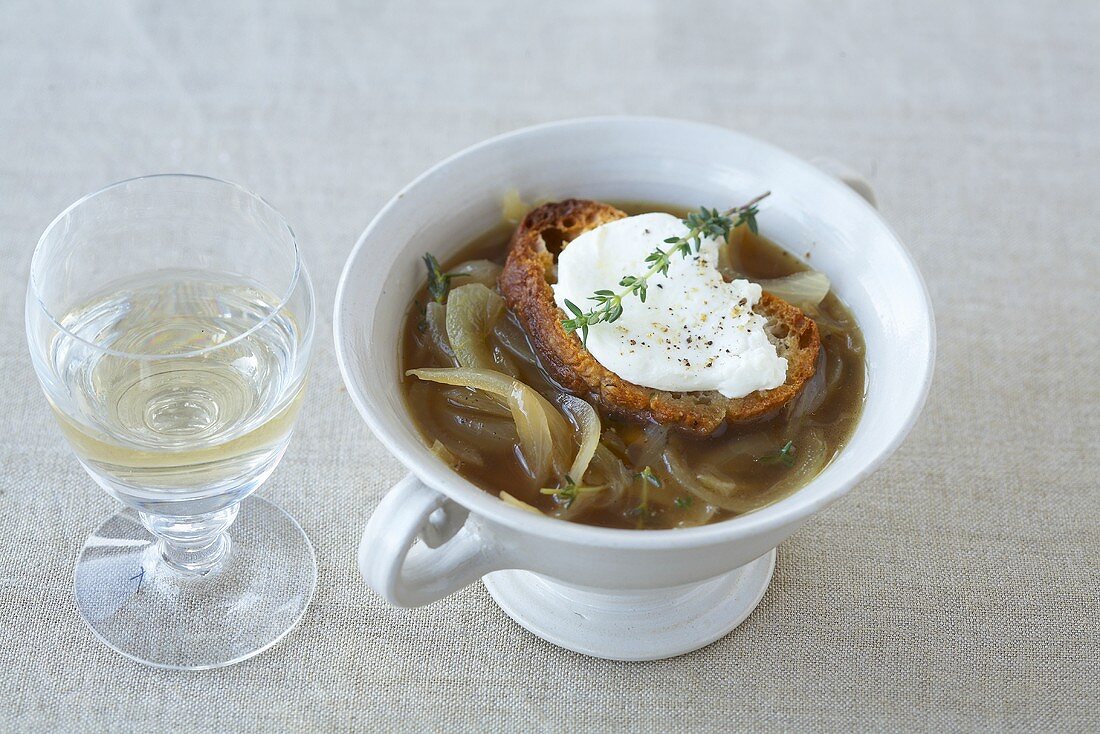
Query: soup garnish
485	388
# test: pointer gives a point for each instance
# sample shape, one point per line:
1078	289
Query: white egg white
694	332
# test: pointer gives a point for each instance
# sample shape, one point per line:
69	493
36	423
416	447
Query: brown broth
818	423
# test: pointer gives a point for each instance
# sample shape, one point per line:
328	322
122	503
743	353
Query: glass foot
148	611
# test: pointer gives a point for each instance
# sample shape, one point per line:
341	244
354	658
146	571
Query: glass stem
192	544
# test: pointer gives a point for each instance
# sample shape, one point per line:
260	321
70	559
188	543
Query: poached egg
694	332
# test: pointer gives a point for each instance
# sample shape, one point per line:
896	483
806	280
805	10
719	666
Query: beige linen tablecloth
956	589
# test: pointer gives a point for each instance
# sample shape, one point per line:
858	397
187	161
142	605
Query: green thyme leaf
704	222
784	456
568	492
648	475
439	283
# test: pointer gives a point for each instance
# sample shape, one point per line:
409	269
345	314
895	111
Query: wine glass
170	320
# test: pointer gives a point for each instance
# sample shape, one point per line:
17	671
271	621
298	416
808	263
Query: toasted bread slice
525	283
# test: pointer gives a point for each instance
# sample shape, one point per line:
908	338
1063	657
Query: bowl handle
453	553
847	176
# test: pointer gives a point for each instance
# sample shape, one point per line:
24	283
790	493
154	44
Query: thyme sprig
567	494
439	283
642	511
784	456
649	477
700	224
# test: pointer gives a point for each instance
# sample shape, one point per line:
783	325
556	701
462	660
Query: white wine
191	390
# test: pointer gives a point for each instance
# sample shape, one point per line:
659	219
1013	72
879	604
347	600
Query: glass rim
283	300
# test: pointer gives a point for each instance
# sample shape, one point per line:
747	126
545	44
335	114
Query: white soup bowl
624	594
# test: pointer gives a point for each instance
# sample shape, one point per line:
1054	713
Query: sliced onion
536	443
647	450
610	471
515	502
614	443
723	497
461	397
856	345
512	208
811	396
588	424
833	369
726	494
435	316
446	455
537	421
484	272
827	325
471	312
458	451
729	457
591	497
805	289
511	337
697	513
811	454
490	431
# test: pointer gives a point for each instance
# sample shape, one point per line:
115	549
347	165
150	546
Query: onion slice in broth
516	502
435	320
588	423
471	312
544	434
462	397
510	336
805	289
446	455
484	272
810	457
724	497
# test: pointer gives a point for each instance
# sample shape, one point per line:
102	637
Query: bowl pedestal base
632	625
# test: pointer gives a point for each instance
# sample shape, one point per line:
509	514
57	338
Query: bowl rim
792	509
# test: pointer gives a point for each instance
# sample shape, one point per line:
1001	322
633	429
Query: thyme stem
702	223
568	493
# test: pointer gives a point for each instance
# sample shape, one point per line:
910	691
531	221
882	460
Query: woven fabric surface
956	589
